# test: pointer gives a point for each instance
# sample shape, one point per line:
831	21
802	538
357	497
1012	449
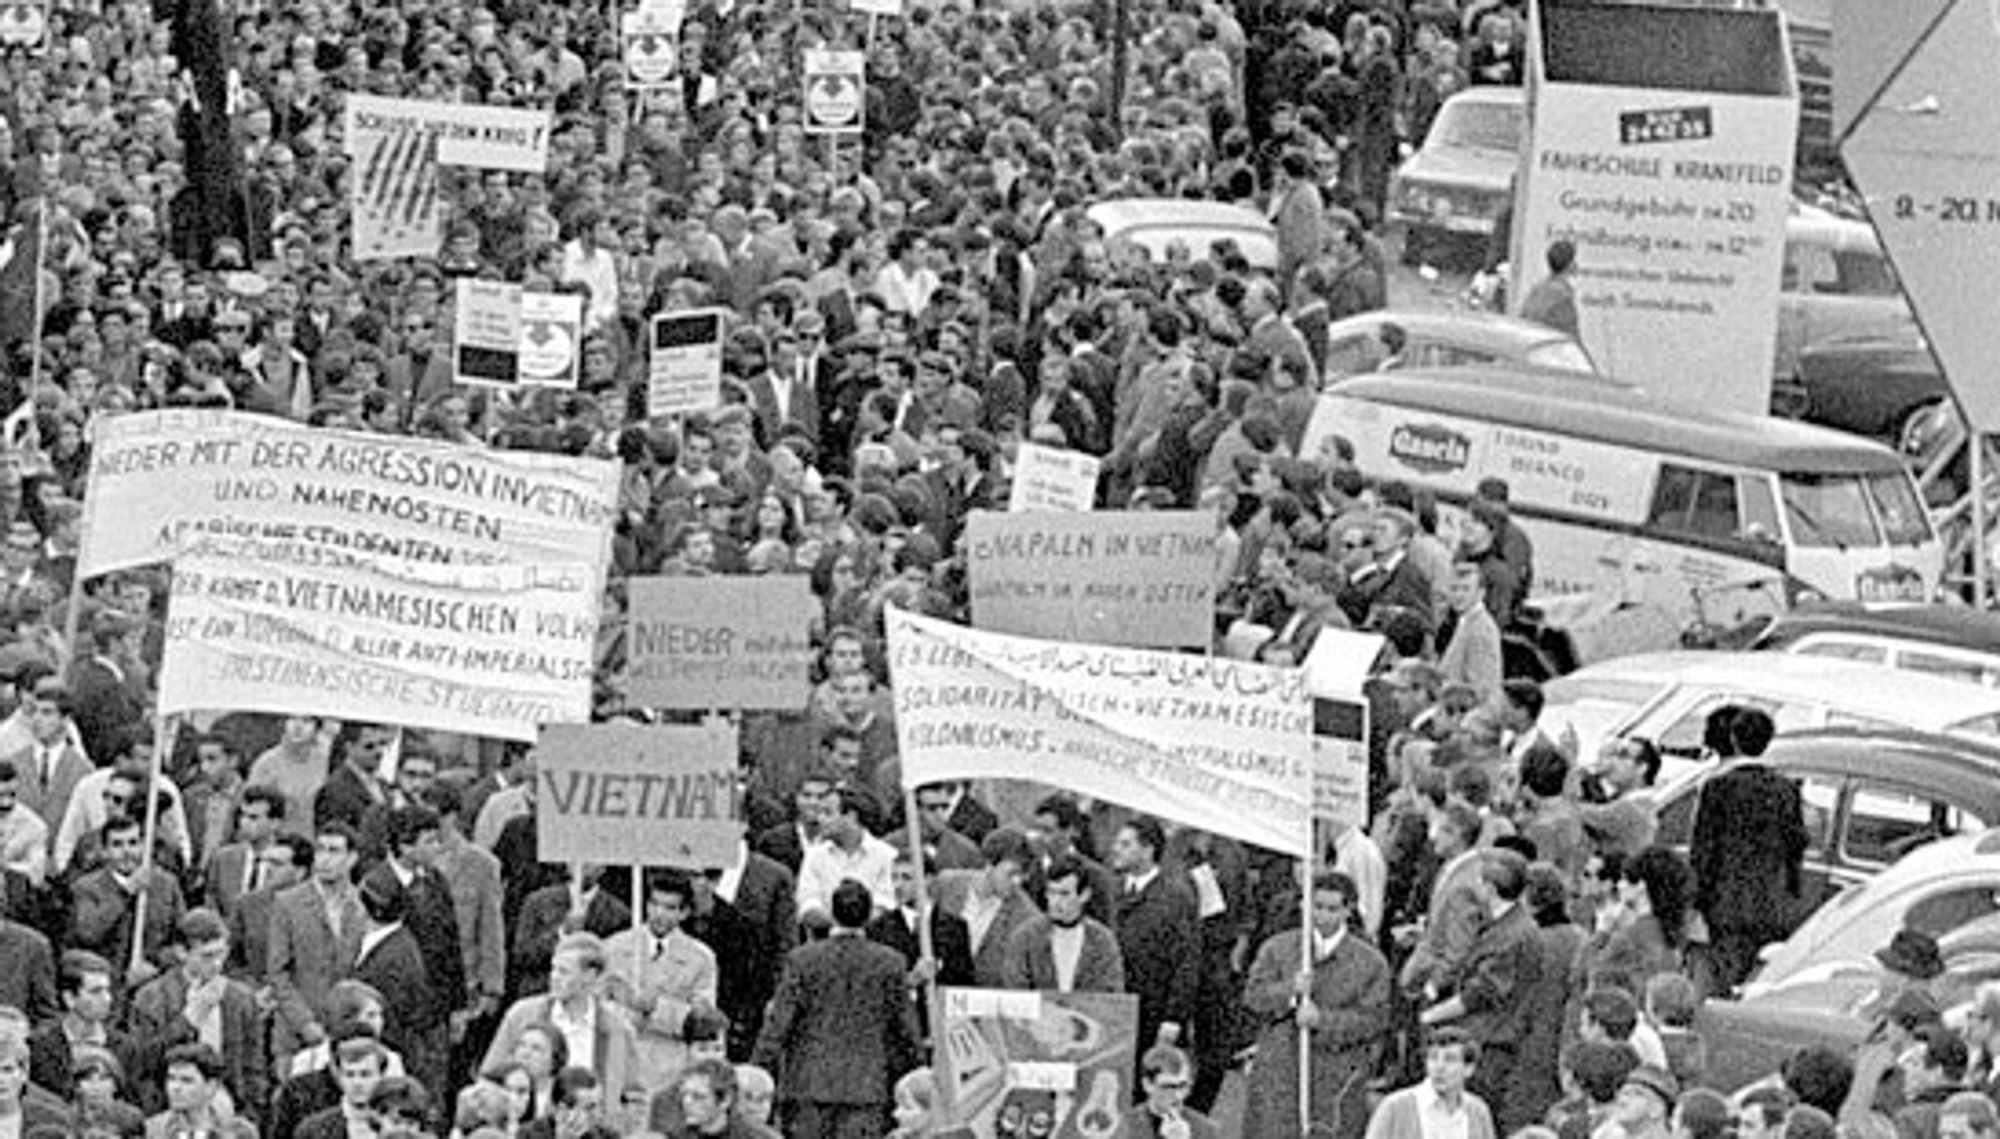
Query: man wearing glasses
1166	1074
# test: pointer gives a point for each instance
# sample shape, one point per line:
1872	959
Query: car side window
1683	736
1691	501
1843	650
1950	667
1809	267
1819	799
1352	355
1948	910
1884	824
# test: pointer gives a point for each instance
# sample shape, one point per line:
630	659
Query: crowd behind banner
346	927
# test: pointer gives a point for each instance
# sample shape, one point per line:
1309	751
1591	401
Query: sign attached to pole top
836	91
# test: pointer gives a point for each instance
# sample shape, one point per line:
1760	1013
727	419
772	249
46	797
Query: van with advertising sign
1649	518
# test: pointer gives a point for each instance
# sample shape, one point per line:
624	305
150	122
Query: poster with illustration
1037	1065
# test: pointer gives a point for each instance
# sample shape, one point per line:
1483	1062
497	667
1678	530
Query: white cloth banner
1217	744
160	478
308	630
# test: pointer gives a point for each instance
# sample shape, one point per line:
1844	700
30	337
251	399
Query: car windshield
1901	512
1562	355
1478	126
1828	510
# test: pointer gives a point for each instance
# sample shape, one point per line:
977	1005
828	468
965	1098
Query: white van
1648	517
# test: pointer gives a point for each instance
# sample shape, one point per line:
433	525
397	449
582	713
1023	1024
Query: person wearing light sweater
1439	1106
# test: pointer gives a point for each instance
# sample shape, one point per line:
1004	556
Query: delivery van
1649	517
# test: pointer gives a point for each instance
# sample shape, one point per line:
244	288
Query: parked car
1944	640
1871	795
1811	985
1666	698
1451	339
1154	224
1876	383
1457	186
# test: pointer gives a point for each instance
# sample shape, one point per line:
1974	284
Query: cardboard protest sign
1336	671
720	642
1061	1063
836	91
638	794
397	146
1218	744
160	478
25	24
461	134
685	371
551	332
1049	478
652	48
1126	578
486	340
309	630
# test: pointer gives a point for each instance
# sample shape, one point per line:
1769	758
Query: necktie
659	948
253	875
48	767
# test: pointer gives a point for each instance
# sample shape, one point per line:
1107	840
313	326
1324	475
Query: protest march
576	572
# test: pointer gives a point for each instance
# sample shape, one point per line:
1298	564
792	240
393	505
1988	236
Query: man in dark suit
991	901
238	868
395	964
414	837
1060	828
1746	872
88	986
786	843
1391	581
285	863
951	943
1504	963
196	1004
104	902
351	788
1159	931
1065	950
842	1029
105	702
785	392
359	1063
28	982
744	981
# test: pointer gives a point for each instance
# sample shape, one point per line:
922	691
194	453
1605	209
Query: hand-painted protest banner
652	48
836	91
1048	478
1059	1063
685	371
466	134
1336	670
638	794
310	630
161	478
1218	744
486	341
396	147
1126	578
720	642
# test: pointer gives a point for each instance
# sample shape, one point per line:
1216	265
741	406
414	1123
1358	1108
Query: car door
1886	820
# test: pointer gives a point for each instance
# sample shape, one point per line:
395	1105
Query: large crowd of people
344	931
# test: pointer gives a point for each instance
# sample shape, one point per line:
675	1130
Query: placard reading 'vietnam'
484	650
1119	578
638	794
1219	744
162	479
720	642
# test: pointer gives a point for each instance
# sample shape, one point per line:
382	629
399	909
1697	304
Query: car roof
1958	769
1951	625
1488	93
1899	696
1572	403
1139	219
1488	331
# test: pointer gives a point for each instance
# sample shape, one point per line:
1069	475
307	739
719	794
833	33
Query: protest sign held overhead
161	478
1064	1057
836	91
397	146
1049	478
1139	578
461	134
1218	744
302	629
685	371
652	49
638	794
25	24
720	642
505	336
1335	673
